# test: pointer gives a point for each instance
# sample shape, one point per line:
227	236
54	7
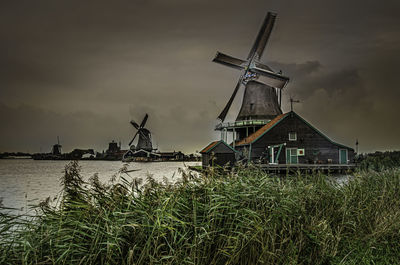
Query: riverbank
245	217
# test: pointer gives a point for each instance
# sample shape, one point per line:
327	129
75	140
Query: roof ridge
209	146
263	129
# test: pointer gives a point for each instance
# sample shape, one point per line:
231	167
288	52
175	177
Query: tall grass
242	217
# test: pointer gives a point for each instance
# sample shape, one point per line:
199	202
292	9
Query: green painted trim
223	142
279	152
250	152
287	155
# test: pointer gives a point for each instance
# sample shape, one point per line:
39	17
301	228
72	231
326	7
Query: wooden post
234	138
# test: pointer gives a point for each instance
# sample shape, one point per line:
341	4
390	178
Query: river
25	182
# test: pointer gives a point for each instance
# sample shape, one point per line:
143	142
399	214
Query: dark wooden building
172	156
289	139
218	153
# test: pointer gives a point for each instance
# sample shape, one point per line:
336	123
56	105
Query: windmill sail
229	61
262	37
252	70
224	112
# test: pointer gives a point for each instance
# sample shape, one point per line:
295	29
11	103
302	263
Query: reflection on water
342	179
24	182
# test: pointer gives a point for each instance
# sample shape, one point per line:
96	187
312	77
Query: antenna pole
356	146
291	103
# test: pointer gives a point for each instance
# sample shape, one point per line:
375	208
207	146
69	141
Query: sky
81	70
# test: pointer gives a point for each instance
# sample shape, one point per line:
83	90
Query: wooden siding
223	154
317	148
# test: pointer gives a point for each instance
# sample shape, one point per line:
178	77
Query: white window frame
272	155
295	136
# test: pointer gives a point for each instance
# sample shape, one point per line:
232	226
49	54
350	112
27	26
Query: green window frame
291	156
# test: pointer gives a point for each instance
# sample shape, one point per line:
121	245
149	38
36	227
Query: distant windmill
57	148
144	141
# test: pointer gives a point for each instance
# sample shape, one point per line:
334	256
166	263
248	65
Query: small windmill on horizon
144	141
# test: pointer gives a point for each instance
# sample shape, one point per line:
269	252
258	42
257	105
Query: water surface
24	181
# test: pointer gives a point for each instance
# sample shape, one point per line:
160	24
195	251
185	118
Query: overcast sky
81	70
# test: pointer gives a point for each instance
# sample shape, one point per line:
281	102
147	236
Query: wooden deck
325	168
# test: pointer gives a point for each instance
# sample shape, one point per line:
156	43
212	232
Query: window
292	136
291	156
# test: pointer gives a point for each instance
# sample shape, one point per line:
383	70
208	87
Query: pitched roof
209	147
212	145
254	136
320	133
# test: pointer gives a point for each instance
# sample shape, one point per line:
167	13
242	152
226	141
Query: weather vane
291	103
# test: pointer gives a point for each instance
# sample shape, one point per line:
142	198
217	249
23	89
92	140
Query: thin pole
234	138
291	103
357	146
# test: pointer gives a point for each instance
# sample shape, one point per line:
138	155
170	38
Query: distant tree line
379	160
13	154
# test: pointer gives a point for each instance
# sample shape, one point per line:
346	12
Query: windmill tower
56	150
144	142
262	88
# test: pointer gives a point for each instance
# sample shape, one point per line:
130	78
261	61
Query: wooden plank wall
317	148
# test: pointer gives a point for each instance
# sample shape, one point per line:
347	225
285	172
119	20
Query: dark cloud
88	67
307	78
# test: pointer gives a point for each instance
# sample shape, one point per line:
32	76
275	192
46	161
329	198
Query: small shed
218	153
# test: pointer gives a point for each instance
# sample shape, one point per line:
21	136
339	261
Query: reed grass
241	217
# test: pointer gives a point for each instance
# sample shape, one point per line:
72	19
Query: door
274	152
291	156
271	155
343	156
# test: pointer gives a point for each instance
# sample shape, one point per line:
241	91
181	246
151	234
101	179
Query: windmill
56	150
263	87
144	142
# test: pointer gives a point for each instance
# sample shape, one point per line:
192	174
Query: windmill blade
270	78
224	112
135	125
262	37
142	134
133	138
229	61
144	121
260	66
